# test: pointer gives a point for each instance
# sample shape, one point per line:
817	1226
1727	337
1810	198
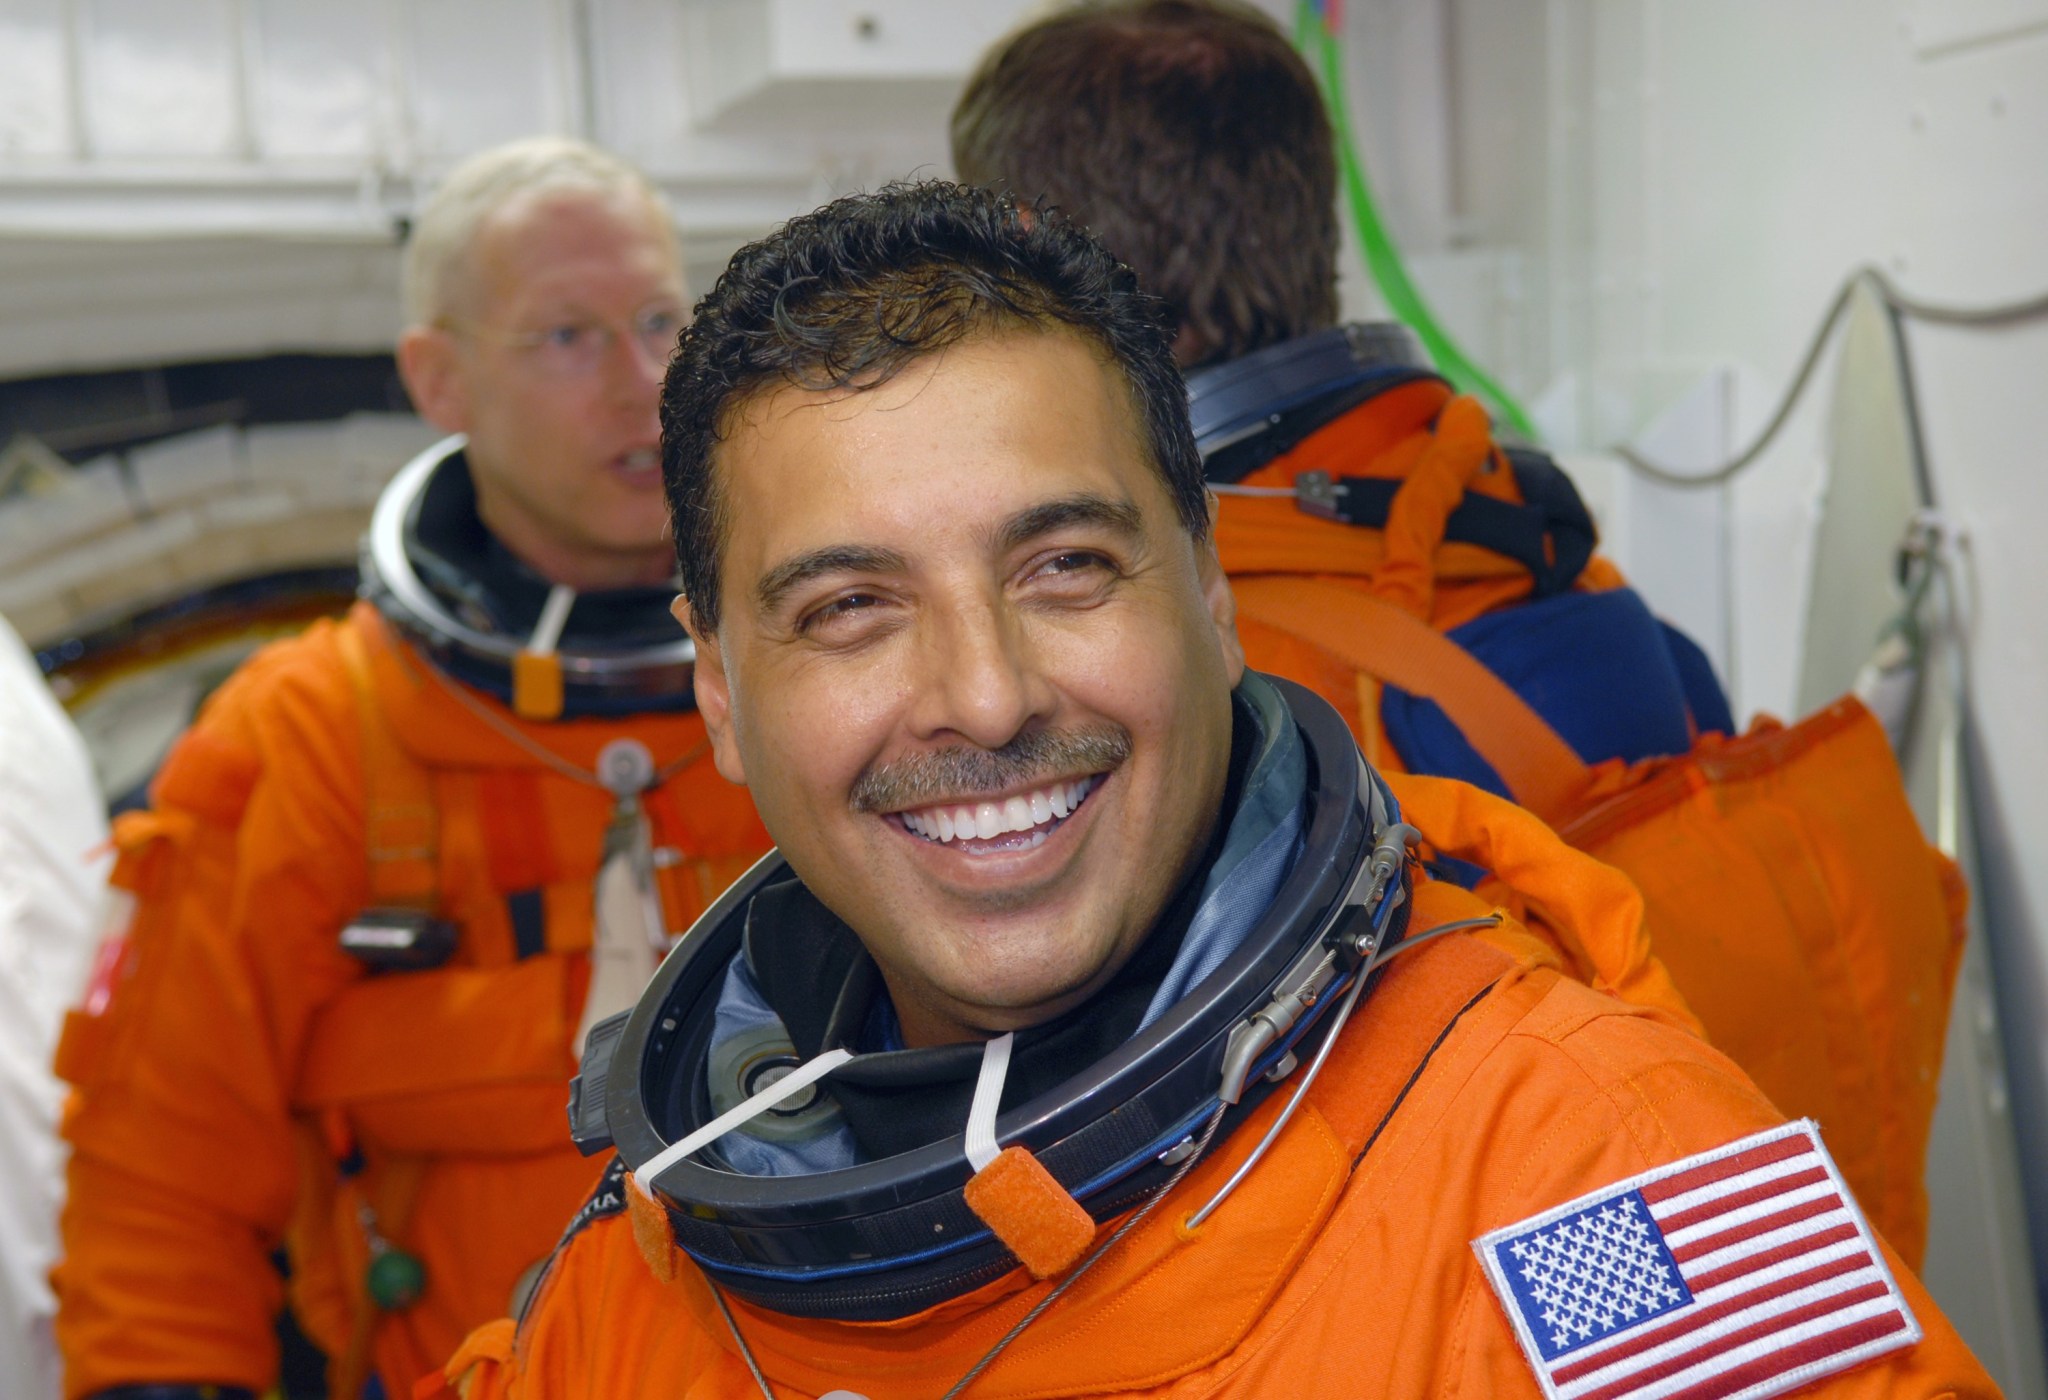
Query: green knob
396	1279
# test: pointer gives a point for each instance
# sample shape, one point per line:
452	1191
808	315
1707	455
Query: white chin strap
981	1115
790	1085
988	1093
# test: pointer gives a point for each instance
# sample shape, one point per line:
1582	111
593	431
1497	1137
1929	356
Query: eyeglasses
579	346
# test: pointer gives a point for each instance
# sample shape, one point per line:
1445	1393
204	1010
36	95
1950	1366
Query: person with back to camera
401	859
1443	591
1098	1028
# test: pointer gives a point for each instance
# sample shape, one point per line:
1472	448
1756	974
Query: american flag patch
1740	1273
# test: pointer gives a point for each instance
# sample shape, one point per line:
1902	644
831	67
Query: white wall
221	177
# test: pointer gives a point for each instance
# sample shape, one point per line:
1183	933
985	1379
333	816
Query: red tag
107	966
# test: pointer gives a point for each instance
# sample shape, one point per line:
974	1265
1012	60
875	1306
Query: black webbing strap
1551	536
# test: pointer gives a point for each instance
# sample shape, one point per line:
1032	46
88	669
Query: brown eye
839	608
1074	561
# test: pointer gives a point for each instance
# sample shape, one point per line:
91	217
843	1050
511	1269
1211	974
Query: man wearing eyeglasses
403	860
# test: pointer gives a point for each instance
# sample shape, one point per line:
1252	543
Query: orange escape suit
1479	1085
241	1081
1808	923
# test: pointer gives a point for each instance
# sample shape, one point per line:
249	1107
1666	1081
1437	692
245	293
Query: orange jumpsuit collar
434	724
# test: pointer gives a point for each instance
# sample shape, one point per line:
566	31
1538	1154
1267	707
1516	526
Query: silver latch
1320	494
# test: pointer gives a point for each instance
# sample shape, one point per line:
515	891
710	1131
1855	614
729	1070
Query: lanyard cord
1208	1132
1201	1148
510	732
746	1352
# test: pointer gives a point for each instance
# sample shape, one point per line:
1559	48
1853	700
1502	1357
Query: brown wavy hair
1191	139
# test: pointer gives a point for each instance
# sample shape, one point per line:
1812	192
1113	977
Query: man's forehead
1041	408
538	240
1015	387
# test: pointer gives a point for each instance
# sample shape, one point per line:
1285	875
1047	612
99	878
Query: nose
980	679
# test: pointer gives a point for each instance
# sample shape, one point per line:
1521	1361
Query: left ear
1221	602
430	365
714	694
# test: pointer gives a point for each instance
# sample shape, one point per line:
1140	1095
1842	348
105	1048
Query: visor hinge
1268	1026
589	1122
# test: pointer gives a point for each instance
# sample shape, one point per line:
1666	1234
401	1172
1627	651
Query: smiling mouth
639	462
1009	824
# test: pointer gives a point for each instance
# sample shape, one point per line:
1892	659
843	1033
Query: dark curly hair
846	296
1188	136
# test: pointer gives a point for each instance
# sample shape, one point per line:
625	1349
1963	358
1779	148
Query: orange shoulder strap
399	821
1397	648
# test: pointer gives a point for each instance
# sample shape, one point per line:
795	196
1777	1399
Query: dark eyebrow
790	574
1081	508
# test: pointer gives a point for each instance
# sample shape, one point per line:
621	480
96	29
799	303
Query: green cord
1382	258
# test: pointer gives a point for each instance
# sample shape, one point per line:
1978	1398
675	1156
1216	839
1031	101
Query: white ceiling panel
161	80
322	79
34	93
485	71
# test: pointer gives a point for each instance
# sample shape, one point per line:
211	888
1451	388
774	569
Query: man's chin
1011	984
632	547
994	1013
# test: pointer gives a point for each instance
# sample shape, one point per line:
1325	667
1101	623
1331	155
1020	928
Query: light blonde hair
437	253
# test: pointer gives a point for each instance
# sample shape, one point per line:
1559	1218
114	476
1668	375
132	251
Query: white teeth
987	820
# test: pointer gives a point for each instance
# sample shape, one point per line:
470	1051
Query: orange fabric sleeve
1655	1097
183	1170
1591	912
476	1368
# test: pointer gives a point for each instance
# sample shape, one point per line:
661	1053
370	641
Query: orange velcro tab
537	685
651	1232
1031	1213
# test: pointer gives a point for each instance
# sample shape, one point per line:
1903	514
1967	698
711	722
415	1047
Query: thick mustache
964	773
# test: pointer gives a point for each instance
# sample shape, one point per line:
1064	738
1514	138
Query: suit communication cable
1317	28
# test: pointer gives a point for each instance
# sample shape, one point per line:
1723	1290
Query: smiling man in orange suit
1100	1028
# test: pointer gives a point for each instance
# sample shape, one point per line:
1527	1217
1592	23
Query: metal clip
398	940
1319	494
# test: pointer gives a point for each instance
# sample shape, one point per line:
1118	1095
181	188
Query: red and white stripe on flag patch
1740	1273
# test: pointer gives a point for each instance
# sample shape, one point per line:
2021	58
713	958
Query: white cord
798	1079
1358	981
988	1094
1979	317
554	616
